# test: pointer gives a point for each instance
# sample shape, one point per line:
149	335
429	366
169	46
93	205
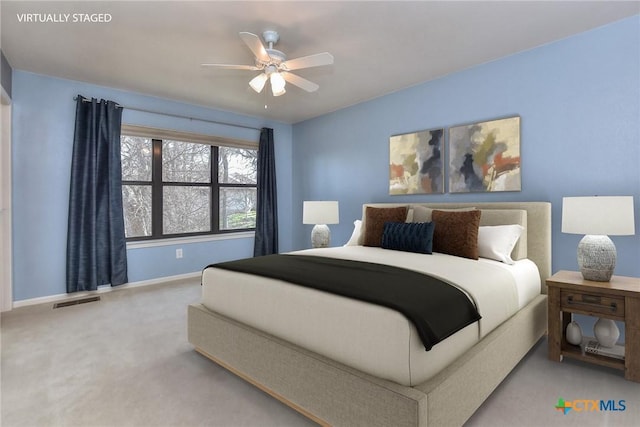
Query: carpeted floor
125	361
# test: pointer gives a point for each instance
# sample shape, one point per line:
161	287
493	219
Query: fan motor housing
277	56
271	36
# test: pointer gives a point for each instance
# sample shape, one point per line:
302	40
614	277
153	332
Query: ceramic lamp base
320	236
596	258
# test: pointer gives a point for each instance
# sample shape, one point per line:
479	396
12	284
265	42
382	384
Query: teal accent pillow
408	237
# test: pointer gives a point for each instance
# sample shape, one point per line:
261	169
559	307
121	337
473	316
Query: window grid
157	187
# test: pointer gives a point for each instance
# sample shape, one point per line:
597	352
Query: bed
332	380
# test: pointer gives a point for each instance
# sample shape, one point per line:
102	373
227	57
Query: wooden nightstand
618	299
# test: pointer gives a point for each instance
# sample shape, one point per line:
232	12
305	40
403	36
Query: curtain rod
176	115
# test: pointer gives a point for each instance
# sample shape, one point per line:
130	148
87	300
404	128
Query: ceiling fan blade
233	67
324	58
300	82
255	45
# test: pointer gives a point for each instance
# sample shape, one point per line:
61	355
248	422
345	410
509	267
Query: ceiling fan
274	65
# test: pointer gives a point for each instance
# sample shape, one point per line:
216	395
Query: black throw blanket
436	308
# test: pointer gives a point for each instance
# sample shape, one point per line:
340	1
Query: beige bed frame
334	394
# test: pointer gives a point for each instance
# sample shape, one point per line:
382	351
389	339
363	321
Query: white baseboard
103	289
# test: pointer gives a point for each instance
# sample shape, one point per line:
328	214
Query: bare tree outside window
186	209
237	208
186	192
237	204
136	200
185	162
135	153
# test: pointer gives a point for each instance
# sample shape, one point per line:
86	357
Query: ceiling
156	48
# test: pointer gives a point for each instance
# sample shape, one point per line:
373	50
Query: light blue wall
579	100
43	125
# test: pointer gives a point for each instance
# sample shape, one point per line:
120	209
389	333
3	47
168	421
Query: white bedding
368	337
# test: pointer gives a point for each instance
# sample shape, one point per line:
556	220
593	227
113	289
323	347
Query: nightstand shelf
618	299
575	352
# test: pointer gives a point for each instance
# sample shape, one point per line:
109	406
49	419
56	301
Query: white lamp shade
600	215
257	83
322	212
277	84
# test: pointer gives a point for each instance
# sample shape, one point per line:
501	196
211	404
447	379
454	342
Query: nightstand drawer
592	303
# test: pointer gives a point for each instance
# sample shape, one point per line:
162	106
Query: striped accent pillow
408	237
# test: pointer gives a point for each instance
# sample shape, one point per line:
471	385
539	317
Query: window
177	184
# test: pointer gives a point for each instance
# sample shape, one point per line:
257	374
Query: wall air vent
76	302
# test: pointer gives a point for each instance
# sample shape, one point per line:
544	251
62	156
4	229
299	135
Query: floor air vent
76	302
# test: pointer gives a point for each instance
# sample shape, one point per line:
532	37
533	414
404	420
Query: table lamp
320	213
597	218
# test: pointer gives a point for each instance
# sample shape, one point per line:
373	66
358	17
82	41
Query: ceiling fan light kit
274	65
277	84
258	82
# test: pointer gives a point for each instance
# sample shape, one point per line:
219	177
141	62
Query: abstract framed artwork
485	156
416	163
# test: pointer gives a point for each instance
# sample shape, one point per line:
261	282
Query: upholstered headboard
535	242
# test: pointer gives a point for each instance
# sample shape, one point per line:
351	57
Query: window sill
186	240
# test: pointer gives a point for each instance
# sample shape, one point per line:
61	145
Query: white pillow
497	241
353	240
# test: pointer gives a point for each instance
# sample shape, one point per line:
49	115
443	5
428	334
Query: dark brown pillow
375	219
456	233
